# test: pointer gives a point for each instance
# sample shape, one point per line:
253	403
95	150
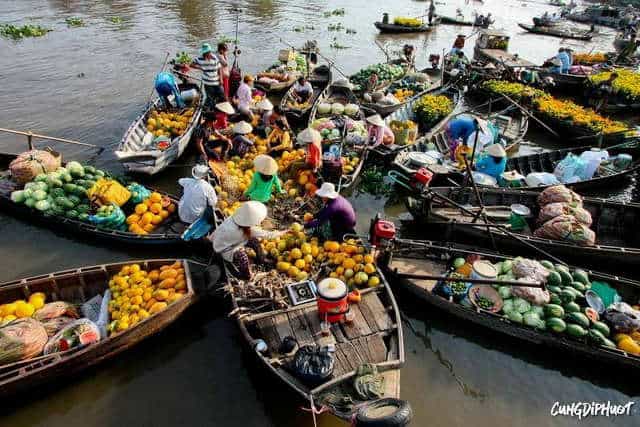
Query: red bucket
332	300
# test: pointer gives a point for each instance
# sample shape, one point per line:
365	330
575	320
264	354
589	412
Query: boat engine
381	231
421	179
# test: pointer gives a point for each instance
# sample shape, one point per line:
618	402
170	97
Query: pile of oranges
137	294
163	123
150	213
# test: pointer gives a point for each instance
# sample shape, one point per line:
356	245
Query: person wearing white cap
265	109
379	132
241	143
242	230
312	140
493	161
197	195
211	144
264	180
337	213
302	90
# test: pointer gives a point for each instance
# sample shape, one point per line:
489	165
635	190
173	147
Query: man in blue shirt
166	85
565	61
459	129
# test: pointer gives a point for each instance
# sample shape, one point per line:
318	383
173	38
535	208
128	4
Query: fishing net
559	193
21	339
566	228
32	163
56	309
553	210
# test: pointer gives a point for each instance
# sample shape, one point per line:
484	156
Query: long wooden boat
167	233
406	113
557	32
449	20
320	78
402	29
343	94
613	223
513	128
78	286
563	82
426	258
279	86
374	337
133	154
384	110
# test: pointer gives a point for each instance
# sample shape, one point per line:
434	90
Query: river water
89	83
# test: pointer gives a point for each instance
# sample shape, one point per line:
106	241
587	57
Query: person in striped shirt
211	75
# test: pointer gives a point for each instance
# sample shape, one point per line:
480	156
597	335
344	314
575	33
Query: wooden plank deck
419	266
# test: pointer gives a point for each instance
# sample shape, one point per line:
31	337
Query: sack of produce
109	217
524	268
566	228
56	309
622	317
559	193
80	332
21	339
107	191
139	193
538	179
313	364
535	296
53	326
553	210
30	164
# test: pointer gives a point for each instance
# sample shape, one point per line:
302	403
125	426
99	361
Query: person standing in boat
225	72
563	56
493	161
337	213
211	75
240	232
244	97
241	144
166	85
211	144
302	90
603	91
197	195
432	11
265	179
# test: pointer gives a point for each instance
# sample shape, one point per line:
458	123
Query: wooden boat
412	259
406	113
513	129
78	286
374	337
557	32
492	47
616	237
563	82
320	78
402	29
385	110
597	14
279	86
132	151
449	20
167	233
341	92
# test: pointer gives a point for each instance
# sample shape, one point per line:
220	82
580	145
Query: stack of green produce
301	63
385	73
60	193
567	312
409	84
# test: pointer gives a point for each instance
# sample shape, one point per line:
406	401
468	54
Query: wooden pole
30	135
528	113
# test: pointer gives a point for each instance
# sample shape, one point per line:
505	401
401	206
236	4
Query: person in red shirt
312	140
222	113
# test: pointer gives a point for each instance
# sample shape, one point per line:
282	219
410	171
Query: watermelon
74	199
69	188
608	343
100	173
73	214
57	192
602	327
83	216
89	177
576	331
554	289
595	336
89	169
553	310
567	296
555	299
554	279
578	318
565	276
83	208
581	276
556	324
571	307
578	286
548	265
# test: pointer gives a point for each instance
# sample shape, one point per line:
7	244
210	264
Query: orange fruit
146	218
348	263
157	219
133	219
164	214
156	208
155	197
171	208
141	208
148	228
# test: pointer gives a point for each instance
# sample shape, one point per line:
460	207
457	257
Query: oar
528	113
30	135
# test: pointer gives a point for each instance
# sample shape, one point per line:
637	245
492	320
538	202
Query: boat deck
509	59
419	266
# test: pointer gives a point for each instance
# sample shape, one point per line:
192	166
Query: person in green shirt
264	180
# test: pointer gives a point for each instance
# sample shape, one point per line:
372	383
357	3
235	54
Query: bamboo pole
30	135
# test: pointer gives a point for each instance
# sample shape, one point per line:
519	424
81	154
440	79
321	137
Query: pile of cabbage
356	130
385	73
336	109
60	193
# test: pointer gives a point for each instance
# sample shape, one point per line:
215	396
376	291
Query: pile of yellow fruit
349	164
403	94
150	213
163	123
137	294
295	105
21	308
288	157
351	263
628	342
296	256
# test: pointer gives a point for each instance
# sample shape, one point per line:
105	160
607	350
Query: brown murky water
89	83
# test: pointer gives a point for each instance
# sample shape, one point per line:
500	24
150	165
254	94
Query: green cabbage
507	307
505	292
30	202
520	305
531	318
18	196
75	169
39	195
42	205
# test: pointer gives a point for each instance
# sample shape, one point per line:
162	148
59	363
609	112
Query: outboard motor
381	231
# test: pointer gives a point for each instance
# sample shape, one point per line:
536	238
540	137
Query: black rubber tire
400	417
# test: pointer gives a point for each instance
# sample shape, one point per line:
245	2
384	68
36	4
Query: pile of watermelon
61	193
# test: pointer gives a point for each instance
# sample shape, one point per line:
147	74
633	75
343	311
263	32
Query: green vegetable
571	307
531	318
553	310
602	327
567	296
505	292
538	310
578	286
608	343
581	276
576	330
507	266
596	337
74	199
566	277
73	214
18	196
555	299
40	178
515	317
507	306
554	289
75	169
554	279
578	318
39	195
42	205
520	305
548	265
556	324
30	202
458	262
484	303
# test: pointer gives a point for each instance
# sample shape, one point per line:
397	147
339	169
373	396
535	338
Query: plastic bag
313	364
56	309
53	326
559	193
30	164
21	339
108	191
537	179
622	317
139	193
535	296
529	269
566	228
114	221
570	169
553	210
80	332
